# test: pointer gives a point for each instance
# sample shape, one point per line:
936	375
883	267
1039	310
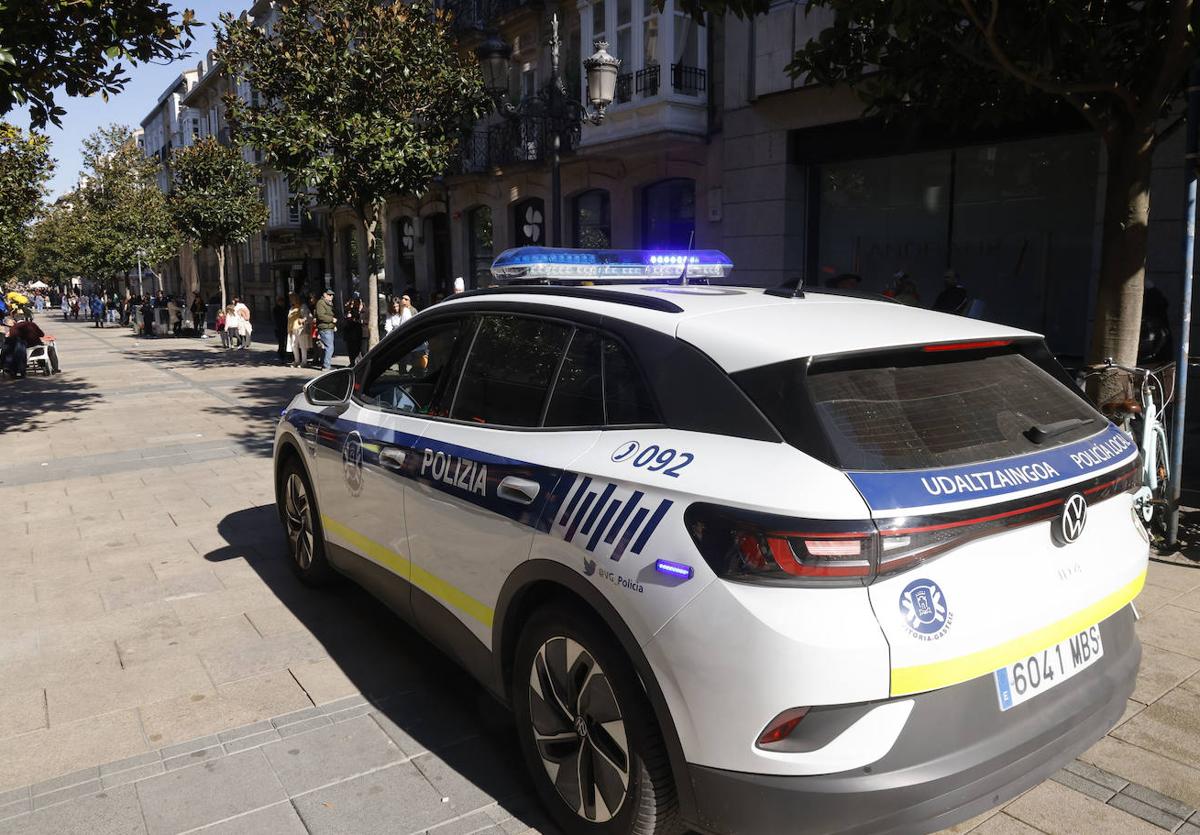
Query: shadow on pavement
24	402
422	699
257	401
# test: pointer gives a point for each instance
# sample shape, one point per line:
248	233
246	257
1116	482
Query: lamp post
551	104
140	254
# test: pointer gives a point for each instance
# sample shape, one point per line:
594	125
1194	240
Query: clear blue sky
146	84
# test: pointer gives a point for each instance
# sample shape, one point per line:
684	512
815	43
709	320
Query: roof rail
577	292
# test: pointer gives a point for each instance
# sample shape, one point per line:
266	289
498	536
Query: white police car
747	561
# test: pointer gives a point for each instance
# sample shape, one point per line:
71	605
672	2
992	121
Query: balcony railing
645	83
478	15
624	91
526	138
690	81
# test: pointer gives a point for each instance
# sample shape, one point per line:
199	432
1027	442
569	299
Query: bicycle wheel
1162	488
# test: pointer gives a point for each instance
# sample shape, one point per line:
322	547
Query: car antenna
787	291
686	259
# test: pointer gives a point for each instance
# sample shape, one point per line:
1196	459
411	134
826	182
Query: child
233	328
221	328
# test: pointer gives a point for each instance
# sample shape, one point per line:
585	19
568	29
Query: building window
529	222
669	213
404	236
480	246
591	226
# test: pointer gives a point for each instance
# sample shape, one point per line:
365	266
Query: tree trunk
221	272
1117	326
371	224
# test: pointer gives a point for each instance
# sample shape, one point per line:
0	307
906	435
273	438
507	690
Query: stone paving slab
144	561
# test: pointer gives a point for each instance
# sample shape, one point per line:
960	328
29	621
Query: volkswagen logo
1069	525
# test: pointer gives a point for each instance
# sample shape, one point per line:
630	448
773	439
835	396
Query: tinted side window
509	371
416	373
625	396
578	398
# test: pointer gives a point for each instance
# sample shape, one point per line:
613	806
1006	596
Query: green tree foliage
25	165
1118	65
119	208
78	45
359	100
53	245
215	198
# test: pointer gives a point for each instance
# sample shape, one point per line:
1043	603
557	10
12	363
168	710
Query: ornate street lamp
561	113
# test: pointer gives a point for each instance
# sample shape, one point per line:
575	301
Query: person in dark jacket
352	327
326	327
279	314
98	311
147	316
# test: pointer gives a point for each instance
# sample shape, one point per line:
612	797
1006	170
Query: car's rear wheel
302	525
587	731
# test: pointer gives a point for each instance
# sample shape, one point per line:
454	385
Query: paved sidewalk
161	671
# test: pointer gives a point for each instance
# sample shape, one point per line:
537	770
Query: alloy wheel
298	511
579	729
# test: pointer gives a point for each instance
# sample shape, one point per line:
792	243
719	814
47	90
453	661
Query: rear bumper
958	756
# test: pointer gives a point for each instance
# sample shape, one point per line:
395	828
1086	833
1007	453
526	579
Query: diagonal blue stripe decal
583	508
663	507
620	520
604	497
600	528
583	486
629	532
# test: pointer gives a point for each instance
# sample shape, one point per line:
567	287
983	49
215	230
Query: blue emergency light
605	265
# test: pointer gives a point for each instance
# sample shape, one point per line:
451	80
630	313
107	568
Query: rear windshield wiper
1042	432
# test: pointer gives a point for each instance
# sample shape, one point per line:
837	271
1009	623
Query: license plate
1022	680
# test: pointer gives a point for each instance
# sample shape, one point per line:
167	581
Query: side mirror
330	389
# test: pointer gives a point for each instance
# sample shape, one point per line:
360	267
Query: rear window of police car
913	410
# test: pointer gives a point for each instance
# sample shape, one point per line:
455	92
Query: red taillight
781	727
967	346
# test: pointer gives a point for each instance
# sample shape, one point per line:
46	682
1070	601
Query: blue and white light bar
582	265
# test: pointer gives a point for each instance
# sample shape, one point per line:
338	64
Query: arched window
404	239
480	246
669	213
591	226
529	222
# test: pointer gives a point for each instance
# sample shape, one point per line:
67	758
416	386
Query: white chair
39	353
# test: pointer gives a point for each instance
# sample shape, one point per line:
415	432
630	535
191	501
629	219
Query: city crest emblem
352	459
925	611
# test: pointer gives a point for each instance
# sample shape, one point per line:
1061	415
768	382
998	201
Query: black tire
567	651
302	525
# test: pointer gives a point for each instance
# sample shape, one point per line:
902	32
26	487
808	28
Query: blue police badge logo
925	611
352	458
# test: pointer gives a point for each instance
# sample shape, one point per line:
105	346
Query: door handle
520	490
391	457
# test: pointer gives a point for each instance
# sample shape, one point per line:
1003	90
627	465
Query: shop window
480	246
591	224
669	213
529	223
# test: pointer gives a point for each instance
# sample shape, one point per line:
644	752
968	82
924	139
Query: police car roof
746	327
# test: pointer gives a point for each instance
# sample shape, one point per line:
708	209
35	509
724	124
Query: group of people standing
304	323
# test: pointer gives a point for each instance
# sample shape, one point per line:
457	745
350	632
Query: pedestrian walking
66	307
245	329
326	327
279	321
147	316
174	316
299	329
198	311
97	311
395	316
352	327
75	308
224	334
233	328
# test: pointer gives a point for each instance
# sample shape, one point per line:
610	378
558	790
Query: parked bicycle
1138	407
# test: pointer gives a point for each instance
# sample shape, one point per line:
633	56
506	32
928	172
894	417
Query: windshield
911	410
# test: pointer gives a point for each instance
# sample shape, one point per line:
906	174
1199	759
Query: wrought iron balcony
690	81
645	83
525	138
480	15
624	90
